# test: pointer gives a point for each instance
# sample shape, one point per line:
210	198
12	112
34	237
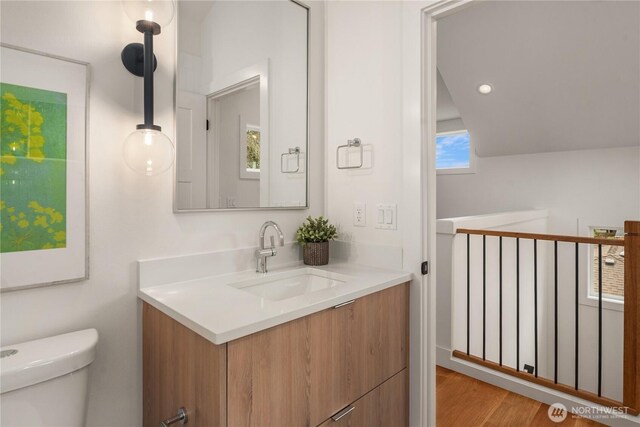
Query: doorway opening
525	169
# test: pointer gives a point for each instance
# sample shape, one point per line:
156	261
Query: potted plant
314	235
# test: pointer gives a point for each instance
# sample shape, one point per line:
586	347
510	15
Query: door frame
419	84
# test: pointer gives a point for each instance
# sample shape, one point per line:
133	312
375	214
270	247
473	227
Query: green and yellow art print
33	169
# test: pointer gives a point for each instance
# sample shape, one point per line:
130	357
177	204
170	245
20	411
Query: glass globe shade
158	11
148	152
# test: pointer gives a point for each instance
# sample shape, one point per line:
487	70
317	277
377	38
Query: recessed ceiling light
485	88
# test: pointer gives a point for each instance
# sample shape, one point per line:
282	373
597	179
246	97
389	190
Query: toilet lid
40	360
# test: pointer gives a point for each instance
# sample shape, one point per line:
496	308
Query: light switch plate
387	216
359	214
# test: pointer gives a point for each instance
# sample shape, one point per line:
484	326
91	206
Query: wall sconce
147	150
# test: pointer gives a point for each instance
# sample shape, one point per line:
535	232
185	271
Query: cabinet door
181	369
377	337
269	378
302	372
385	406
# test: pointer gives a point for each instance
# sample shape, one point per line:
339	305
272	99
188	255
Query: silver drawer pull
345	411
344	303
181	418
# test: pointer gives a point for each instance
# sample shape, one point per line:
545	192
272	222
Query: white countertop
222	313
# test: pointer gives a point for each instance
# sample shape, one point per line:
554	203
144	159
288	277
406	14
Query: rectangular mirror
241	105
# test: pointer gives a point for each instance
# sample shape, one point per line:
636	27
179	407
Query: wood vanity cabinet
300	373
181	369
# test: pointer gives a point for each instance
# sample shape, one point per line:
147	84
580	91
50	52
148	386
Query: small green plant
316	230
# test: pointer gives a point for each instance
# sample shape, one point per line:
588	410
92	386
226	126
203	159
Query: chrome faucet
263	253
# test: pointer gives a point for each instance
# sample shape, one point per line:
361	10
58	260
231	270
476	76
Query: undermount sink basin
291	284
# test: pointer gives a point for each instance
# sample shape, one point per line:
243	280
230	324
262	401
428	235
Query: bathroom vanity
297	347
291	345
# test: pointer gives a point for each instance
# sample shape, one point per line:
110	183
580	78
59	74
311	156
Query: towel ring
355	142
296	151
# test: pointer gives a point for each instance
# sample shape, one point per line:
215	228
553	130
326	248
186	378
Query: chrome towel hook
355	142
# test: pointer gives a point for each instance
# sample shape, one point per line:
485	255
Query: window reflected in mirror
252	142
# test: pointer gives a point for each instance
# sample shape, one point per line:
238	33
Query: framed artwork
43	169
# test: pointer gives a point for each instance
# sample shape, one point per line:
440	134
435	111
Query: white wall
364	100
131	216
373	93
601	186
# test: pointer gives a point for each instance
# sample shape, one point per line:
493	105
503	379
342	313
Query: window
612	265
453	152
250	152
253	150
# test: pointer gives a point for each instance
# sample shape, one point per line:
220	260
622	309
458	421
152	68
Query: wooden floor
466	402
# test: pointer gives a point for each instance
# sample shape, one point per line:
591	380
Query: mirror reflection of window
253	149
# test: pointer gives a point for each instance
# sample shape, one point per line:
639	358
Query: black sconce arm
140	61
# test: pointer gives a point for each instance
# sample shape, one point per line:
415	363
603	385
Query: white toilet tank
43	383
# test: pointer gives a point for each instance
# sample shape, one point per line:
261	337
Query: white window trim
472	157
586	298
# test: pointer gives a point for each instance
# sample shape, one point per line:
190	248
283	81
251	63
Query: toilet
43	383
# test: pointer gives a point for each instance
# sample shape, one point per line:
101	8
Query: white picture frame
34	70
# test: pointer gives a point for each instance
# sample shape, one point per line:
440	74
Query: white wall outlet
359	214
387	217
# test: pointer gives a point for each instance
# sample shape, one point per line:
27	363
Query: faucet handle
273	242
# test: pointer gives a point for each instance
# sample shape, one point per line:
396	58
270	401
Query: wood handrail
539	236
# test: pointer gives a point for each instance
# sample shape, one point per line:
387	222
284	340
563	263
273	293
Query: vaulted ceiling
565	74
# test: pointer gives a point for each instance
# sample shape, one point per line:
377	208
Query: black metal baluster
535	305
500	302
577	316
517	304
555	311
484	297
599	320
468	289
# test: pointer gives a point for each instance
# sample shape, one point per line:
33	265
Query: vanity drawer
302	372
385	406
